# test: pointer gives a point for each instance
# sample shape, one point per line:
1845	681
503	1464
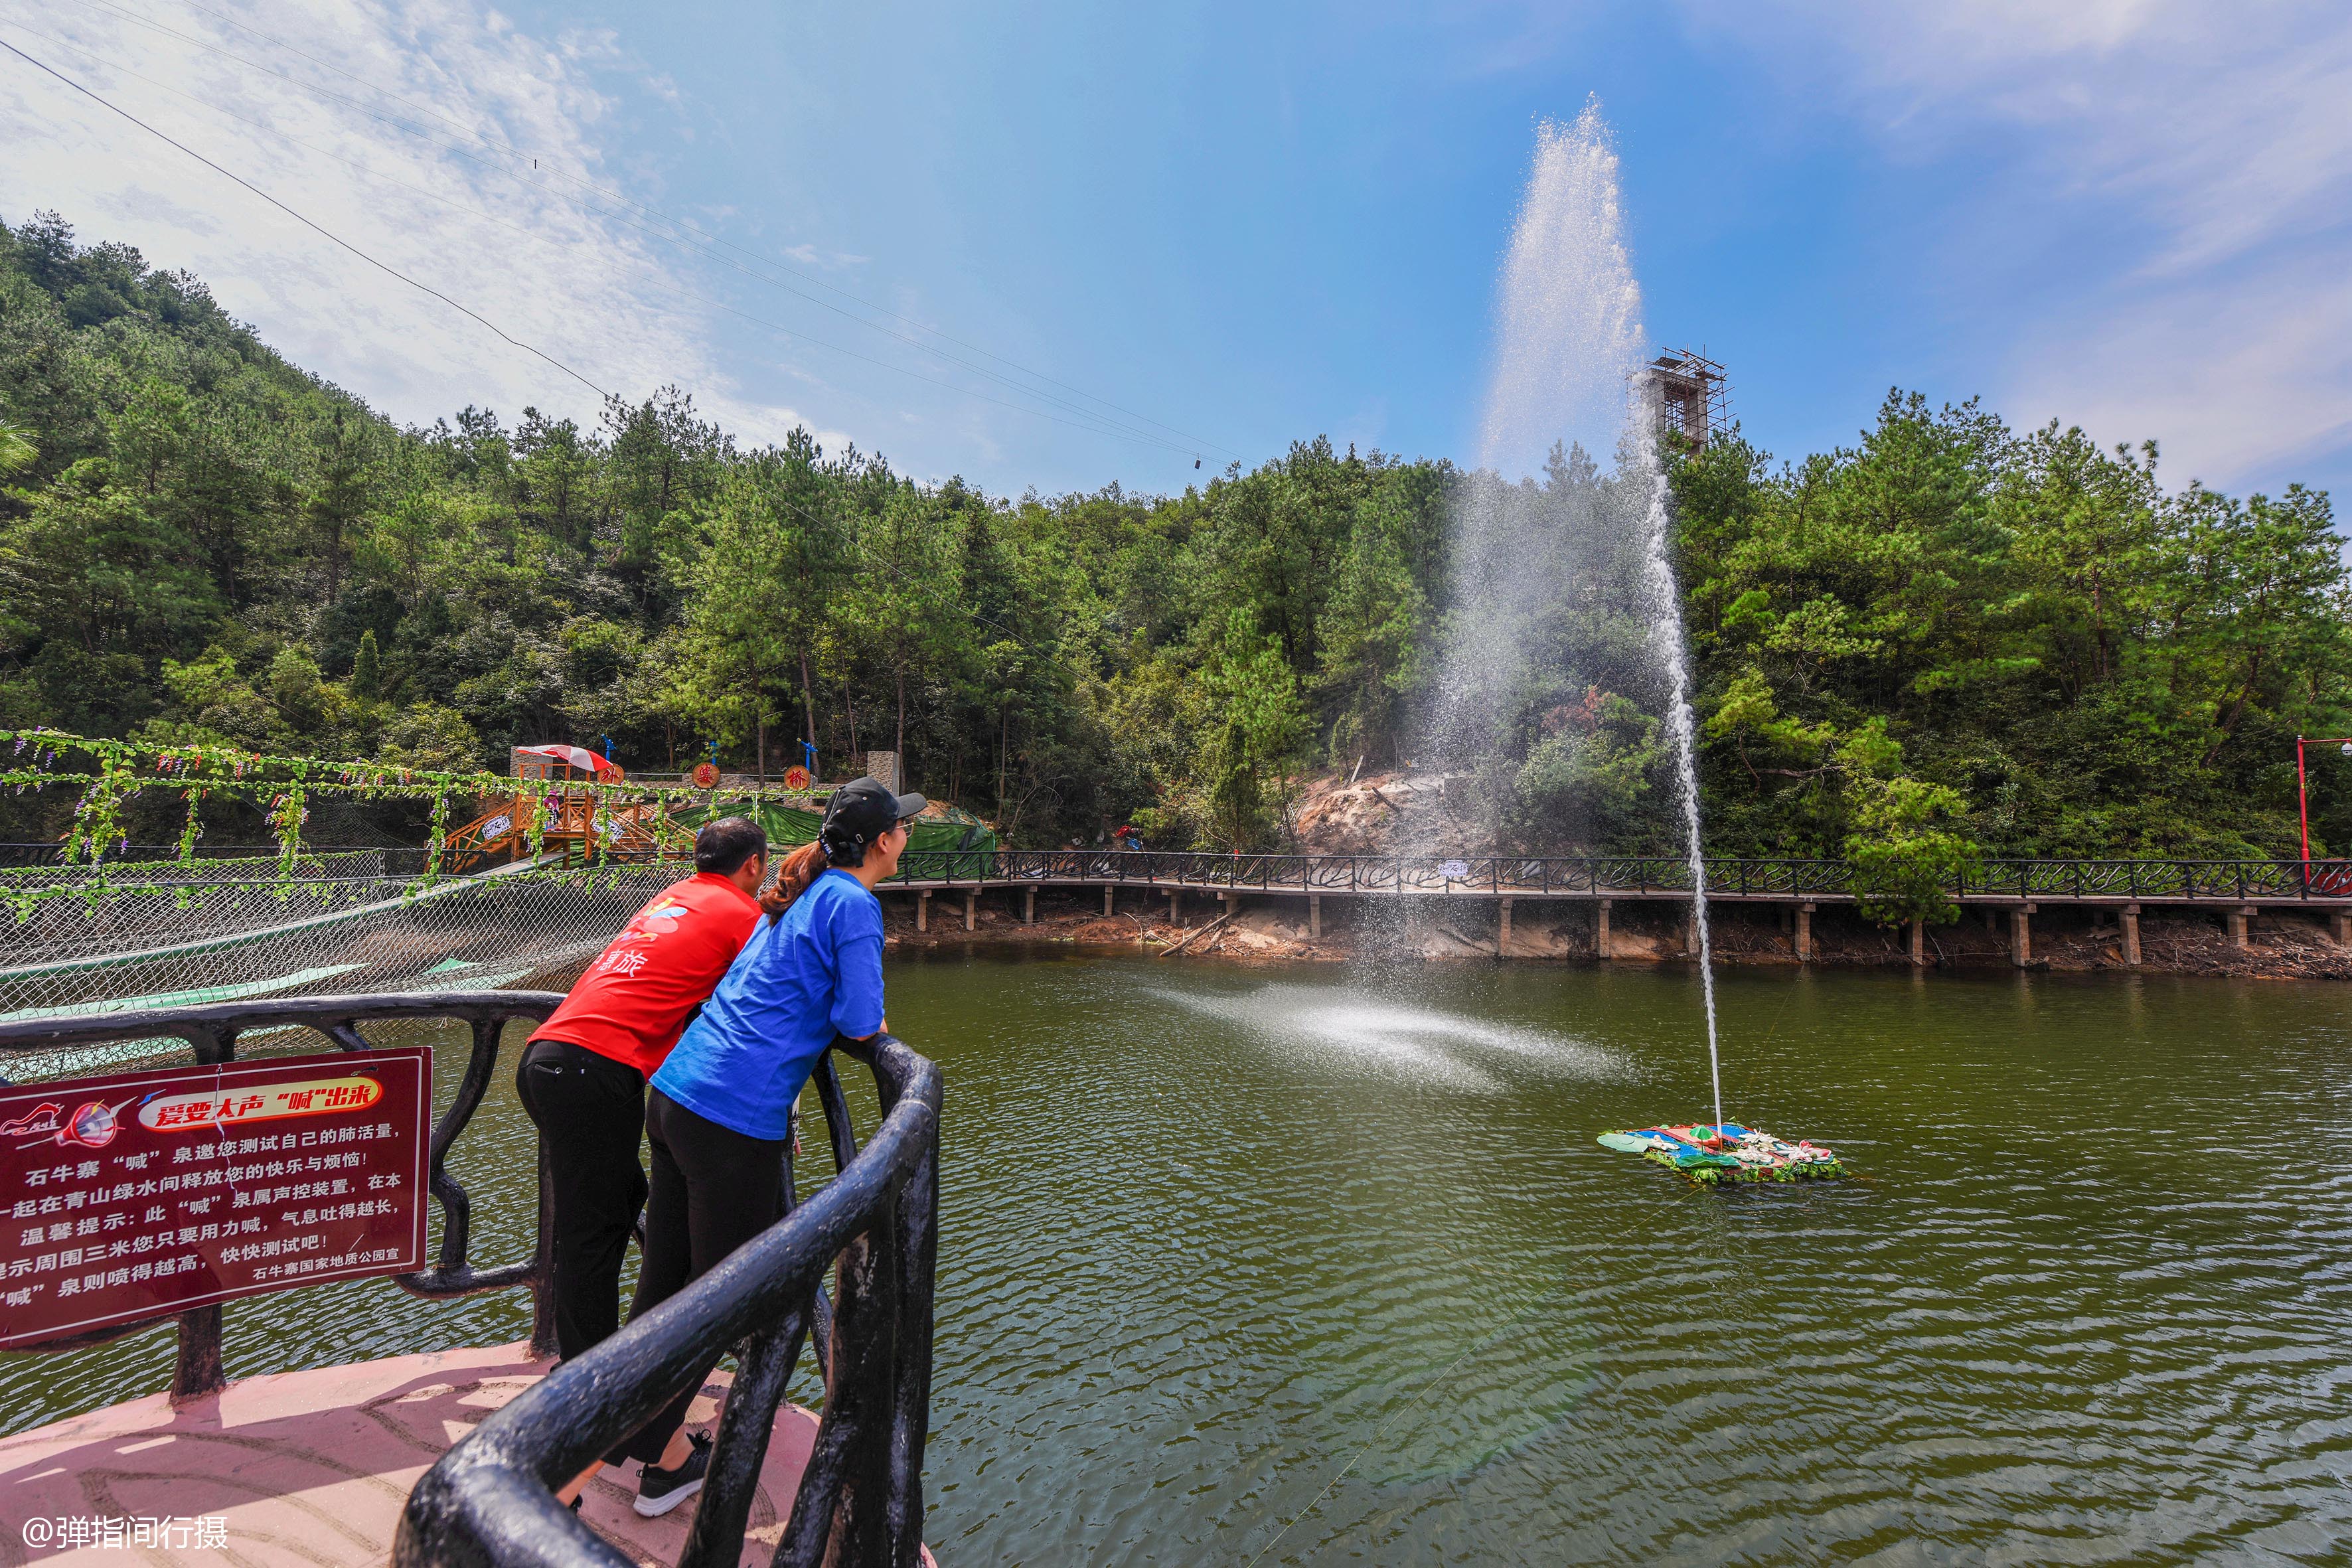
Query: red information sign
141	1194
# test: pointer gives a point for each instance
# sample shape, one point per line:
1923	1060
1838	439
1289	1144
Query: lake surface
1324	1265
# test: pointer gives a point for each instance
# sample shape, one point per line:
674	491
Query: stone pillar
970	908
1600	928
1315	917
1175	906
2236	920
883	768
1804	933
2131	934
2339	926
923	909
1028	906
1502	930
1690	930
1108	891
2021	935
1918	944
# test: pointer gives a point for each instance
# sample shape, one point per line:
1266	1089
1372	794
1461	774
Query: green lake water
1322	1265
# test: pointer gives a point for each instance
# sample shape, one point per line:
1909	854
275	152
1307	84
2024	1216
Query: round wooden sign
706	775
796	777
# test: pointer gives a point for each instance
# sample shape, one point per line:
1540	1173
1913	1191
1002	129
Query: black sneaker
660	1491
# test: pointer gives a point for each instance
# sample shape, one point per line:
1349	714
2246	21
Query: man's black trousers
591	1112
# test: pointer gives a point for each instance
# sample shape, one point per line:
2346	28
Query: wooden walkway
2236	891
2261	884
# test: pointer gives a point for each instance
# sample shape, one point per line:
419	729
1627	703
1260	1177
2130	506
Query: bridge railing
211	1033
491	1497
1589	876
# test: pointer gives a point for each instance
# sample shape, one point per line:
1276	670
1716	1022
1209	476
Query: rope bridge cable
383	267
1189	445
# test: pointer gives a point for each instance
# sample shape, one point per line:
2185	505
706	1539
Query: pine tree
367	677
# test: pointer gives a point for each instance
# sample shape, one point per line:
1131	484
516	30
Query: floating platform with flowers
1711	1156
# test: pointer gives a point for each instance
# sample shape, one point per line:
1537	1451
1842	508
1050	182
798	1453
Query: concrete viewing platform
310	1469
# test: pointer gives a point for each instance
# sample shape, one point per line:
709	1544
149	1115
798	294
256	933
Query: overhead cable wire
789	504
655	280
383	267
806	515
708	240
611	194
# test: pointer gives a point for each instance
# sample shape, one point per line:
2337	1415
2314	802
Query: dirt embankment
1275	928
1380	813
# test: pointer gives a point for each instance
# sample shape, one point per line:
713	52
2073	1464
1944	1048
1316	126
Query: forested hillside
1950	630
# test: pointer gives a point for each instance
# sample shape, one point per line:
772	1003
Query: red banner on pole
139	1194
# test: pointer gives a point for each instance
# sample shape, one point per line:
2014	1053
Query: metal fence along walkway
2255	882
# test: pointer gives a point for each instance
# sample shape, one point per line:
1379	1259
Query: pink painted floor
311	1468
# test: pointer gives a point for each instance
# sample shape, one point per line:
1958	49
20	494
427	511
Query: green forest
1951	638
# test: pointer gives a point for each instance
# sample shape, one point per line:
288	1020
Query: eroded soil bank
1273	928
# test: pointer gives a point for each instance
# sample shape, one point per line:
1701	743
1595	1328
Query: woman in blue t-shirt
719	1110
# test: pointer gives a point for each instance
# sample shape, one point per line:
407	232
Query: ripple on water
1208	1242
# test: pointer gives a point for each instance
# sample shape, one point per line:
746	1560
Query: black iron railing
211	1033
1541	876
490	1499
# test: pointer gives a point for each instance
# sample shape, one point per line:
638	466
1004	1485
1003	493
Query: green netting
943	830
171	945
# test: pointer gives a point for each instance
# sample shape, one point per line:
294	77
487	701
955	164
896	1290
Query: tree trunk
761	723
808	707
902	725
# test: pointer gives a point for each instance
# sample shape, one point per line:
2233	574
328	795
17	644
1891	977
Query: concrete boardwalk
311	1468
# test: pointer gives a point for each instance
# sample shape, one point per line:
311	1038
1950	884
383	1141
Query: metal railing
211	1033
1540	876
490	1499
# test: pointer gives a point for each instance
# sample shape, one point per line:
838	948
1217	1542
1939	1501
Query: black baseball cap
862	811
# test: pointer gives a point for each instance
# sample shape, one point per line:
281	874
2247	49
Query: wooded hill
1951	634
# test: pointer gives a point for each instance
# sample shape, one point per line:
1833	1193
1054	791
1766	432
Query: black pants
591	1113
713	1189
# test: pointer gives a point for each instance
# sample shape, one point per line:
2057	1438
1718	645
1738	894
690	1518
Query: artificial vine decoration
439	835
282	788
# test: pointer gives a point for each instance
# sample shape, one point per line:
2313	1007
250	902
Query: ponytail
793	874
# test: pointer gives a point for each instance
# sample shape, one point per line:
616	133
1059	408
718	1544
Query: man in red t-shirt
583	1077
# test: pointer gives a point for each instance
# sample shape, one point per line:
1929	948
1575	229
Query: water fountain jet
1567	367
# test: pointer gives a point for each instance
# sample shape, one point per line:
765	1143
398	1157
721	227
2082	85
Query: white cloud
2244	384
815	256
589	291
2216	137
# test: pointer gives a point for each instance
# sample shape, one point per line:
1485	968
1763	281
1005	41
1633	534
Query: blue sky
1249	223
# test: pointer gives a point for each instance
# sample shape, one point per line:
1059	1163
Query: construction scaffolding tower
1691	396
